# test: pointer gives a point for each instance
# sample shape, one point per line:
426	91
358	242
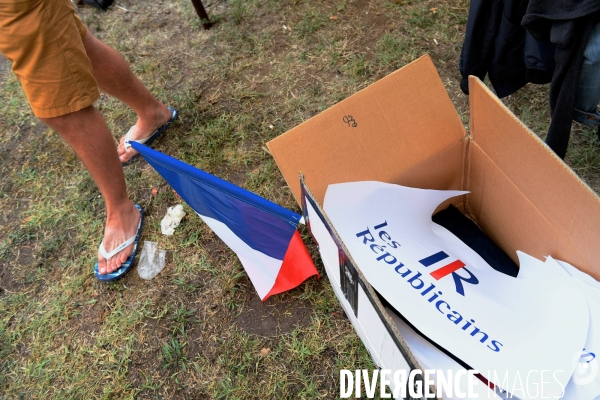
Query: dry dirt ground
198	330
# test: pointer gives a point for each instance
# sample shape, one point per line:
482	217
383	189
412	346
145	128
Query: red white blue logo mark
448	269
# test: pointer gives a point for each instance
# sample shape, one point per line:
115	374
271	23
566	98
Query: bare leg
115	78
88	135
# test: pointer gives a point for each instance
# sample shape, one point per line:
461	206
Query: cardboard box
404	129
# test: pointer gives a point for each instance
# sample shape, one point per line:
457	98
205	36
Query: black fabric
496	44
567	24
470	234
103	4
539	60
544	11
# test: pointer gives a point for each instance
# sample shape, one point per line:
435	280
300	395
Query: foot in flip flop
118	249
145	132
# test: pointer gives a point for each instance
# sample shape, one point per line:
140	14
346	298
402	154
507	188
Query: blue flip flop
148	141
129	262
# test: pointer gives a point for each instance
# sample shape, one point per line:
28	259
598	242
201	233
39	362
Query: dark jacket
567	24
497	45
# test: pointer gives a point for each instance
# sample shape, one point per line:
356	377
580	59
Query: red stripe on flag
297	267
448	269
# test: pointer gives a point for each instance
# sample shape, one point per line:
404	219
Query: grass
186	334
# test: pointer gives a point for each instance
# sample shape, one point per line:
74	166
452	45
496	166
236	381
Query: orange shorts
43	39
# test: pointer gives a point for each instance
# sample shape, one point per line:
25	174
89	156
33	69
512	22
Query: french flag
261	233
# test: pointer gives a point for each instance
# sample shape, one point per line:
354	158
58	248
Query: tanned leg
87	133
115	78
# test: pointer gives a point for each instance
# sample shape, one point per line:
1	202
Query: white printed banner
504	327
429	357
585	382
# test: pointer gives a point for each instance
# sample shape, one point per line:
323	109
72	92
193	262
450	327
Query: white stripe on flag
261	268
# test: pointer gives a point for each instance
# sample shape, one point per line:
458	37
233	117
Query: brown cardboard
571	231
522	195
407	132
401	120
508	216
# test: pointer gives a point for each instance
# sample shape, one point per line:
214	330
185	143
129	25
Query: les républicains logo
450	269
381	243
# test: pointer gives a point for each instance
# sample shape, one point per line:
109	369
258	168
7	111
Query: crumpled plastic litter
151	261
172	219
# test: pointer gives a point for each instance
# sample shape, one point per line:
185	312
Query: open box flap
562	199
376	134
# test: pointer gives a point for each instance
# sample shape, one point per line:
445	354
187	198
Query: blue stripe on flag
249	216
